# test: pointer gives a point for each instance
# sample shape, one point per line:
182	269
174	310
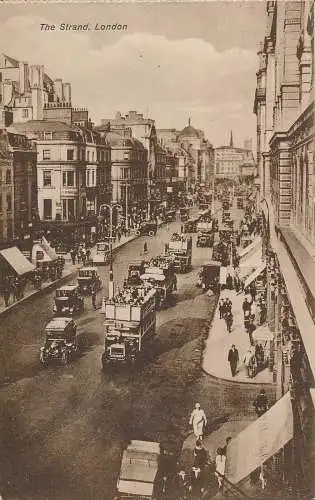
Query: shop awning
17	261
260	440
255	274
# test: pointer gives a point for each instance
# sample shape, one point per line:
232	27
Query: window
93	177
88	156
126	155
70	154
47	178
47	209
0	203
25	113
68	178
46	154
8	177
48	136
87	177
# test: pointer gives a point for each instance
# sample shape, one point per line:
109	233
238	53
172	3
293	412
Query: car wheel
138	233
151	233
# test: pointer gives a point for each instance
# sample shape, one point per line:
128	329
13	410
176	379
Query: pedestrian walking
229	321
246	305
145	247
73	255
196	486
94	298
221	308
6	291
248	361
198	420
261	403
200	455
227	441
233	359
181	484
220	460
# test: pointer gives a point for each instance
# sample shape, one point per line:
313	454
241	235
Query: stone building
27	88
73	172
201	151
230	159
195	154
18	181
129	169
285	145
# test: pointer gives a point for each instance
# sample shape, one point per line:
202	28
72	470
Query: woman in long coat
198	420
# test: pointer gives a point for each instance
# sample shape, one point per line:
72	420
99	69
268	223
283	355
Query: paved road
65	427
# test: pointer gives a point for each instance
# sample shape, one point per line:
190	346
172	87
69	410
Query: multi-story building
195	154
27	88
129	169
18	181
230	159
73	171
285	145
201	151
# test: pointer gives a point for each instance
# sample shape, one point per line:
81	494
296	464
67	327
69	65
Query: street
66	427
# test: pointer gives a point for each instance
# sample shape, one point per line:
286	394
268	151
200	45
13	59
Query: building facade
27	88
129	170
285	144
73	172
229	161
18	181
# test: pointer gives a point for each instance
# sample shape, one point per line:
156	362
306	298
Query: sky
175	61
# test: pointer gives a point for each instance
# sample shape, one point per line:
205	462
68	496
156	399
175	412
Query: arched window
8	177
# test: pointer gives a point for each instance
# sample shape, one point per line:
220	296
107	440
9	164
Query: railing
229	490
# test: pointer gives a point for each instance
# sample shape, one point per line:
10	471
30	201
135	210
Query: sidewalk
69	269
219	342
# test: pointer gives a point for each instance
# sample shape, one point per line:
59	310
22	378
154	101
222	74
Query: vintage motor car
147	228
190	226
184	213
68	300
170	216
61	343
89	280
102	253
205	240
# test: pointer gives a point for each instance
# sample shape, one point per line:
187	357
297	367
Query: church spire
189	120
231	140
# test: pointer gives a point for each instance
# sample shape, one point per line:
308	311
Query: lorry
209	276
160	274
180	247
130	320
140	471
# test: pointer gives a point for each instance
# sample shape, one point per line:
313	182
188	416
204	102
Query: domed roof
189	131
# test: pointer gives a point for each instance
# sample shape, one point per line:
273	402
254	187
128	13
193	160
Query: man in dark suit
233	359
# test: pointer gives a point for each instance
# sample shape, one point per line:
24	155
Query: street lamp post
111	207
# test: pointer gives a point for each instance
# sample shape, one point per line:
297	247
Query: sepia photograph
157	250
